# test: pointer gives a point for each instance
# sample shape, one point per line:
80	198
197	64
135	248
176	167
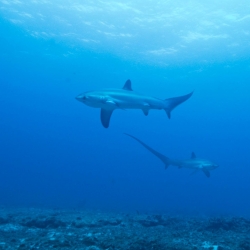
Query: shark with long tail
194	163
110	99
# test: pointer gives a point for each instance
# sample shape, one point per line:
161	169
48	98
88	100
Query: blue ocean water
54	150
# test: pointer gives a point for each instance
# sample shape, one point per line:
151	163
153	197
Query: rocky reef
33	228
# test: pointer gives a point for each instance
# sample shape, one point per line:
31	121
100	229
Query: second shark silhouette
193	163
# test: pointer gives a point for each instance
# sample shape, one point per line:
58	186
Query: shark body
193	163
110	99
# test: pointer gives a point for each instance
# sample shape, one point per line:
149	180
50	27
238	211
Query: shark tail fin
162	157
171	103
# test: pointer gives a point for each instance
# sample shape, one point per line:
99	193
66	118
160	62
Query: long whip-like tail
162	157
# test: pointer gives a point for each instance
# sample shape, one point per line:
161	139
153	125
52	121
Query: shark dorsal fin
193	156
127	85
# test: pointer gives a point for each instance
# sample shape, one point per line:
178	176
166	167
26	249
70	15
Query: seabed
34	228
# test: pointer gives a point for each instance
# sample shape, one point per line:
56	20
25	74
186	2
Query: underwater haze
55	151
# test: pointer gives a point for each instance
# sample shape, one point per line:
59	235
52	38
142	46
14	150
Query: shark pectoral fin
206	172
145	111
105	116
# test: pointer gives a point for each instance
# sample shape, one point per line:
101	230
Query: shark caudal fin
171	103
162	157
105	117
